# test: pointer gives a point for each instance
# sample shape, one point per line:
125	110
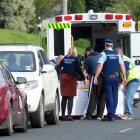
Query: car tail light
68	18
78	17
58	18
128	17
119	17
109	16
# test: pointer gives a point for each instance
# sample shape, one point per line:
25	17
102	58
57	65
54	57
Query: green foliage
129	6
76	6
10	36
98	5
17	14
81	45
45	6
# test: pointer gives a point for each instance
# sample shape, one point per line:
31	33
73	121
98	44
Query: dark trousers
110	86
67	100
96	99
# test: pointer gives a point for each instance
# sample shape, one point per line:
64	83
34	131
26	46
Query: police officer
133	79
96	96
110	63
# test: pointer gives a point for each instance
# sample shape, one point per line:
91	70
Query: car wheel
9	130
53	116
24	124
37	118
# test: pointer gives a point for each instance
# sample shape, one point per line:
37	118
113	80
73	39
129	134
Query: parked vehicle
42	81
13	103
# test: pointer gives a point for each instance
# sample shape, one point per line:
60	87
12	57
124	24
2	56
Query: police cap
108	42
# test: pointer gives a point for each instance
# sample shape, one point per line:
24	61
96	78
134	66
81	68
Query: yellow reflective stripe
50	25
62	25
68	25
59	25
54	25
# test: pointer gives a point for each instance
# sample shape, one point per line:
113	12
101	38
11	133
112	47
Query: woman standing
68	81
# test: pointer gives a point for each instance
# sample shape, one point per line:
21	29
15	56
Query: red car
13	103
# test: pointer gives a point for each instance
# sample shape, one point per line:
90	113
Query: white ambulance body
62	29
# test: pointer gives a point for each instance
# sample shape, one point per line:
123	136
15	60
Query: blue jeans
130	90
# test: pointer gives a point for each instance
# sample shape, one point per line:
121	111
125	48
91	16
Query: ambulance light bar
128	17
119	17
109	16
67	18
78	17
93	17
58	18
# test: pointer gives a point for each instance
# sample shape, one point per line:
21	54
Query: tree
98	6
129	6
17	14
45	7
76	6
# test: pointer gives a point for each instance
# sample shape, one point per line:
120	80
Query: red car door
16	98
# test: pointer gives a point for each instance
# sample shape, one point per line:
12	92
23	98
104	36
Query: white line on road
125	130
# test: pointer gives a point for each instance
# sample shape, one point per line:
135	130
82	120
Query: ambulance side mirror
137	62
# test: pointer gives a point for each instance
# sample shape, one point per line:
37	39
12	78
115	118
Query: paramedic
96	96
68	82
110	63
133	79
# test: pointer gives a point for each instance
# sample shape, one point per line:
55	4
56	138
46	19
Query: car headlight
29	85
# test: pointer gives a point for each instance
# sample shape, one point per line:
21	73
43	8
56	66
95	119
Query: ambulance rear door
135	55
135	47
58	39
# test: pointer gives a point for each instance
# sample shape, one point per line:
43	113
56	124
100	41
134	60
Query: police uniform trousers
110	87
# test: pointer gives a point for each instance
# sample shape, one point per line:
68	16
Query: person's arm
98	71
79	69
102	59
58	67
123	70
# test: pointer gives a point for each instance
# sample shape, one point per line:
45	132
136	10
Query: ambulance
59	32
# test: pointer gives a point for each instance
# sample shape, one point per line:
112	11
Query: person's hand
95	81
124	82
85	81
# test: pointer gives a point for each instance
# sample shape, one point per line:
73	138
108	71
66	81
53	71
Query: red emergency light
68	18
78	17
58	18
128	17
109	16
119	17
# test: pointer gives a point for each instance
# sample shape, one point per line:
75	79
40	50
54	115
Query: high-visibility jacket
133	72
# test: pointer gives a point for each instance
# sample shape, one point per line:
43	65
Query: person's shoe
70	119
111	119
127	117
63	118
88	118
108	119
99	118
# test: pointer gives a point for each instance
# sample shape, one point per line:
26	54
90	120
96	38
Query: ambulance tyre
52	117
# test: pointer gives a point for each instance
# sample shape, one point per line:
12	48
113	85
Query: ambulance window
58	42
125	43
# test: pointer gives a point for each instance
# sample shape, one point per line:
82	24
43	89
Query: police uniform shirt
103	57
